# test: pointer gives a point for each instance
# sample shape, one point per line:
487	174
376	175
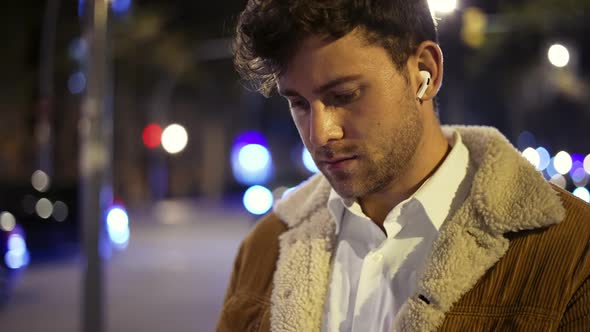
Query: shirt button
378	257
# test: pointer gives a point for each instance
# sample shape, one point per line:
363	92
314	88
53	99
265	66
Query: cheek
302	126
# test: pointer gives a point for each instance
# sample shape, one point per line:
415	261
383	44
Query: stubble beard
385	162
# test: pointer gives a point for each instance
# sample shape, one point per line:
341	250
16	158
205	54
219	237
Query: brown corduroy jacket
514	257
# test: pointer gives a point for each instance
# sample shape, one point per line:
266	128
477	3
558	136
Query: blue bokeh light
121	6
250	137
580	177
77	83
17	255
258	200
13	260
81	5
576	157
78	49
576	165
551	171
118	226
17	244
544	158
308	161
251	159
121	238
582	193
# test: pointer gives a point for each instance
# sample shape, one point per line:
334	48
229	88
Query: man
410	226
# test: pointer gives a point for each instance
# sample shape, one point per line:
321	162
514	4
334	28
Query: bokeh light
550	170
121	6
578	175
78	49
15	261
562	162
118	226
7	221
81	5
258	200
308	161
250	137
583	181
587	164
44	208
60	211
559	180
77	83
152	135
532	156
174	138
577	158
582	193
251	160
558	55
17	244
254	158
17	255
442	6
40	181
576	166
473	30
544	158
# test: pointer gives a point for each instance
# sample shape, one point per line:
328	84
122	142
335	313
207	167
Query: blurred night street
172	277
127	133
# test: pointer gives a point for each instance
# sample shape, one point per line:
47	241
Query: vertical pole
95	159
43	129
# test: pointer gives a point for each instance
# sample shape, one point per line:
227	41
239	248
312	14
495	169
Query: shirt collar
435	195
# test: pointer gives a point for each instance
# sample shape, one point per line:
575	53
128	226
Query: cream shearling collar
506	194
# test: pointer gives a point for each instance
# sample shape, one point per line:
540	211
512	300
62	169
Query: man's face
355	112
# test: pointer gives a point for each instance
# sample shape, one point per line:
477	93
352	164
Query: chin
347	190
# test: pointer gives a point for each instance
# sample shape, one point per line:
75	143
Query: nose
325	125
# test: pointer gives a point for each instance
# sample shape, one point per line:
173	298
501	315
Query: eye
298	104
344	98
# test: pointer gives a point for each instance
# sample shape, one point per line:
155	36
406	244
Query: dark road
172	276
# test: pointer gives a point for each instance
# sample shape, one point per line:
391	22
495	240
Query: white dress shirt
373	273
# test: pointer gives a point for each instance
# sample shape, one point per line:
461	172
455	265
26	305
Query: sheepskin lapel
302	275
507	195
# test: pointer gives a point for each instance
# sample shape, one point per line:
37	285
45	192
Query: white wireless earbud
425	82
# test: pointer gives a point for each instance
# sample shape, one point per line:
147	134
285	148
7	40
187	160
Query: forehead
317	60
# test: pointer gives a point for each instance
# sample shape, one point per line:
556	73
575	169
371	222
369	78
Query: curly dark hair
269	31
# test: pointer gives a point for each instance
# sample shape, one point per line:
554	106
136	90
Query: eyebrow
323	88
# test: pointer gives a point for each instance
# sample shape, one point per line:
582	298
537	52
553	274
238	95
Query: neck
430	154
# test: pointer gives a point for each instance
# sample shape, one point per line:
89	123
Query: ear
428	57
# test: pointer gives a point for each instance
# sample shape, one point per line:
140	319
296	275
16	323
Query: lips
338	163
